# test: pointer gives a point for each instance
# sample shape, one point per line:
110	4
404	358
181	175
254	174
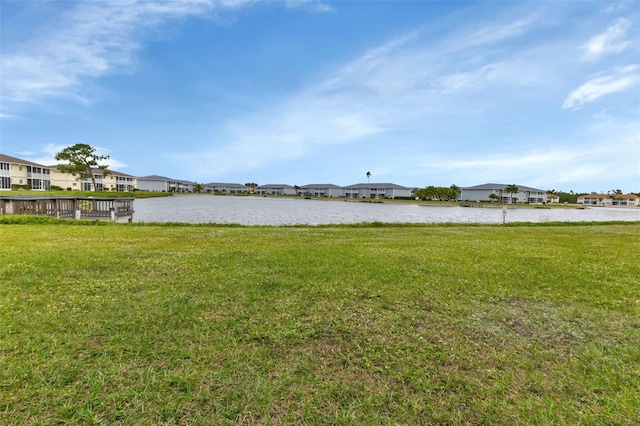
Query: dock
95	208
476	204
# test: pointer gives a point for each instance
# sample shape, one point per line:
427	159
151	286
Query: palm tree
511	189
369	177
296	188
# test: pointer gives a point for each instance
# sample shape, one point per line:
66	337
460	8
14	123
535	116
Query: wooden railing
69	207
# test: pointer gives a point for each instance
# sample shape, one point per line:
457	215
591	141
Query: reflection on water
294	211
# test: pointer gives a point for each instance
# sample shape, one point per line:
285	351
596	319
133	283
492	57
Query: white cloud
312	5
621	79
516	72
90	40
395	86
613	40
499	33
562	163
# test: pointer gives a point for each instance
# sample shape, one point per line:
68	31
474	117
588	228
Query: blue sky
543	94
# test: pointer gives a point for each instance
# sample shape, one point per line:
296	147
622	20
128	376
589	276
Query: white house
275	189
377	190
322	190
609	200
483	192
229	188
163	184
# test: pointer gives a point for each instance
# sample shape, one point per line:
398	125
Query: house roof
224	184
14	160
156	177
282	185
376	185
501	186
321	185
111	172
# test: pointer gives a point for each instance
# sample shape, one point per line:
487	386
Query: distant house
609	200
229	188
322	190
377	190
16	171
275	189
483	192
553	198
163	184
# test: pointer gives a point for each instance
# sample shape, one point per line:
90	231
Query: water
295	211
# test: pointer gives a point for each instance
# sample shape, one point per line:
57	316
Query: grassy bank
320	325
108	194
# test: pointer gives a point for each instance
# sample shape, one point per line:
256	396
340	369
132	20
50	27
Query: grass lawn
144	324
97	194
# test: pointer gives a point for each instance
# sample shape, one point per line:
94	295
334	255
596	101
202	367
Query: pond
295	211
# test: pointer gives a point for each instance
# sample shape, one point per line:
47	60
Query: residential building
113	181
228	188
553	198
16	171
163	184
377	190
483	192
609	200
275	189
322	190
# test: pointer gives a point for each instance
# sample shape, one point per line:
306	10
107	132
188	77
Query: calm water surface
293	211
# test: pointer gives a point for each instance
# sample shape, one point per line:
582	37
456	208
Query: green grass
108	194
133	324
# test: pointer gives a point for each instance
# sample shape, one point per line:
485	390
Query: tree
81	160
251	187
440	193
198	187
493	197
616	194
297	189
511	189
455	191
369	177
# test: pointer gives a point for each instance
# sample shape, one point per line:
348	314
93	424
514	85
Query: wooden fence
69	207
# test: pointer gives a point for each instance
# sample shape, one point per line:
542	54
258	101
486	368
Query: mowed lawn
396	325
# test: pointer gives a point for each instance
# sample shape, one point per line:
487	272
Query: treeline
437	193
443	193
